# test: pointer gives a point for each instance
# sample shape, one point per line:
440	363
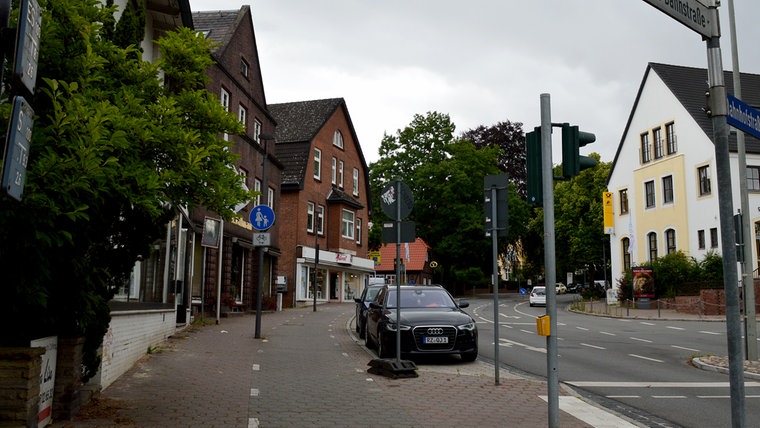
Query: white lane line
256	367
599	384
674	328
254	392
623	396
640	340
507	342
709	332
607	333
668	396
589	414
684	348
582	328
646	358
592	346
253	423
527	331
713	396
647	323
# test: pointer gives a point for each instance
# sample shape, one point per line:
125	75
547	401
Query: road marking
709	332
713	396
640	340
668	396
589	414
582	328
623	396
527	331
595	384
254	392
608	333
675	328
528	347
509	316
256	367
253	423
647	323
646	358
592	346
685	349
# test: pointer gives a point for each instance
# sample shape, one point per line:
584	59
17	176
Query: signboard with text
743	117
692	13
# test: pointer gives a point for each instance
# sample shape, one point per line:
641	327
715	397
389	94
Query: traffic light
573	139
535	177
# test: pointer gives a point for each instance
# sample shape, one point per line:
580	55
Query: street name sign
743	117
692	13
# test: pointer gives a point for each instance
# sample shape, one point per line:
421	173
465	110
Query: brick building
325	202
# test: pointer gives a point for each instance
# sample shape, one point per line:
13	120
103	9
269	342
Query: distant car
561	289
431	323
575	287
362	304
538	296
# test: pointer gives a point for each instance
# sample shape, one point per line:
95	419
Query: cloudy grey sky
480	61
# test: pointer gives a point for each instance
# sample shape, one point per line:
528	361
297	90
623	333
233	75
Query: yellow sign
375	255
609	216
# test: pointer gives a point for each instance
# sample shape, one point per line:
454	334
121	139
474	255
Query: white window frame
257	188
224	98
338	139
270	197
340	174
317	163
243	116
320	220
358	231
356	182
348	223
244	67
257	130
310	217
334	175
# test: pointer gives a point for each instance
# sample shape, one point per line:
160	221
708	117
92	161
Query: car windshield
421	299
539	291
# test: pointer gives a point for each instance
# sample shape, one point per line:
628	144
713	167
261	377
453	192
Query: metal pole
495	279
726	211
260	287
750	323
398	272
219	271
316	262
549	261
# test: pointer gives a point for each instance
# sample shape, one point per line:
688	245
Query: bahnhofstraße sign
743	117
700	17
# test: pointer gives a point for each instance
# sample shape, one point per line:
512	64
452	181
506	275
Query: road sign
742	116
261	217
396	200
262	239
28	43
694	14
17	148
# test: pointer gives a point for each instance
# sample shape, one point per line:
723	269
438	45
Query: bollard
658	309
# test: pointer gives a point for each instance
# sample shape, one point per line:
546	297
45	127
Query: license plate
436	339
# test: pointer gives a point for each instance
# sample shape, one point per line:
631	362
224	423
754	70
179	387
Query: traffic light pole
550	274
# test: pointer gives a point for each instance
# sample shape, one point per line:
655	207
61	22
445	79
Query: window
244	67
753	178
626	245
646	154
658	143
338	139
355	186
704	180
317	164
667	189
310	217
670	241
340	174
257	131
257	188
224	97
701	239
321	220
652	239
714	237
270	198
347	227
358	231
243	116
649	189
624	201
334	175
670	134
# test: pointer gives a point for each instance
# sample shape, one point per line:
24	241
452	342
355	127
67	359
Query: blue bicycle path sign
261	217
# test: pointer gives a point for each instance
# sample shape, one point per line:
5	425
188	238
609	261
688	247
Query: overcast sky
480	61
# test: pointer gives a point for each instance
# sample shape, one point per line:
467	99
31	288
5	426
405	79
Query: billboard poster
47	378
643	283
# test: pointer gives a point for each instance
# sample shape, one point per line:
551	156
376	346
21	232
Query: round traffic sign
397	200
262	217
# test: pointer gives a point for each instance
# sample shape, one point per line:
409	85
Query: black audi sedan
431	323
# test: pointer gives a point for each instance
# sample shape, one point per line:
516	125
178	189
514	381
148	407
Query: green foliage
673	270
509	139
113	153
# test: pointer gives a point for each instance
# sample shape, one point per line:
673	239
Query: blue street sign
262	217
742	116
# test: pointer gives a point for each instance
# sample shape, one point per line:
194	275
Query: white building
663	178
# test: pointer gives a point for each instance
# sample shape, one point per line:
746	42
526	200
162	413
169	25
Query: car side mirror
374	305
464	303
357	299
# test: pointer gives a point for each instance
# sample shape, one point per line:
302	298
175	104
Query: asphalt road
642	366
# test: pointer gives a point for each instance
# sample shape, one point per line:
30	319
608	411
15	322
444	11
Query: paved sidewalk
309	369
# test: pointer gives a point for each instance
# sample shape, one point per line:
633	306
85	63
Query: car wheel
382	350
531	305
469	357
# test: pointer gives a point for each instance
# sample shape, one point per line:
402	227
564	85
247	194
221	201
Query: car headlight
470	326
392	327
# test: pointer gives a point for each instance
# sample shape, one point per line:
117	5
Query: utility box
543	325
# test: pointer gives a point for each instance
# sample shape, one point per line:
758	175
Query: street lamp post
264	191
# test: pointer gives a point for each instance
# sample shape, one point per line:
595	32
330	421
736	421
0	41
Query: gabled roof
418	252
219	25
689	85
298	123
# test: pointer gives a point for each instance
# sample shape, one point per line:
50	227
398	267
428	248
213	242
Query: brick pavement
307	370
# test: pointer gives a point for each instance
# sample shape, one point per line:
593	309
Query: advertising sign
47	378
643	283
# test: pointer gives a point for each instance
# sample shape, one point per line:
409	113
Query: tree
510	140
113	155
